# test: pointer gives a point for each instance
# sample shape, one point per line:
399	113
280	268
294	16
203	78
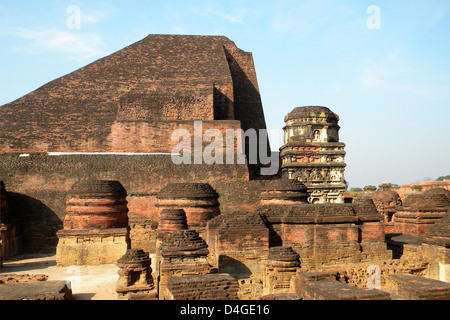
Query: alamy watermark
74	281
190	147
374	279
374	20
74	19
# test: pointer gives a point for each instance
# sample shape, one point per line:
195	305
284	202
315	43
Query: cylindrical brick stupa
283	191
198	200
171	220
283	257
96	204
96	224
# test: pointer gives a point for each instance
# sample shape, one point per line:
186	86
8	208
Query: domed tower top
312	112
311	124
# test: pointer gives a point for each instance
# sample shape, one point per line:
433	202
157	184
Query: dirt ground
87	282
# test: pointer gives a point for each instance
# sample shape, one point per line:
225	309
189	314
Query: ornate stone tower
312	153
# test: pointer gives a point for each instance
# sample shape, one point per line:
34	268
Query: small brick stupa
183	253
135	274
281	266
283	191
387	202
171	220
198	200
95	226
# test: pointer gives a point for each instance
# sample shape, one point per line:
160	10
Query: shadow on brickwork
37	223
234	267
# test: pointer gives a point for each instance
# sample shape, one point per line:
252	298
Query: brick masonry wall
414	222
203	287
155	136
160	77
411	287
37	186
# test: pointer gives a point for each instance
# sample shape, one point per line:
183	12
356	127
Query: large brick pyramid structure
132	100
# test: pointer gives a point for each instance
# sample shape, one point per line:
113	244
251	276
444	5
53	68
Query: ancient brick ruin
87	175
135	274
95	226
312	153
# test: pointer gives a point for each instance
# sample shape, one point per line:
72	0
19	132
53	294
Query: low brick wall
410	287
204	287
324	286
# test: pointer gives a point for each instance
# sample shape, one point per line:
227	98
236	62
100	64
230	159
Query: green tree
447	177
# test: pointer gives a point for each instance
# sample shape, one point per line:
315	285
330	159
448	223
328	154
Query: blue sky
386	73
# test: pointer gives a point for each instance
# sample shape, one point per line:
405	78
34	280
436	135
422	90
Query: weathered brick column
96	224
313	154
